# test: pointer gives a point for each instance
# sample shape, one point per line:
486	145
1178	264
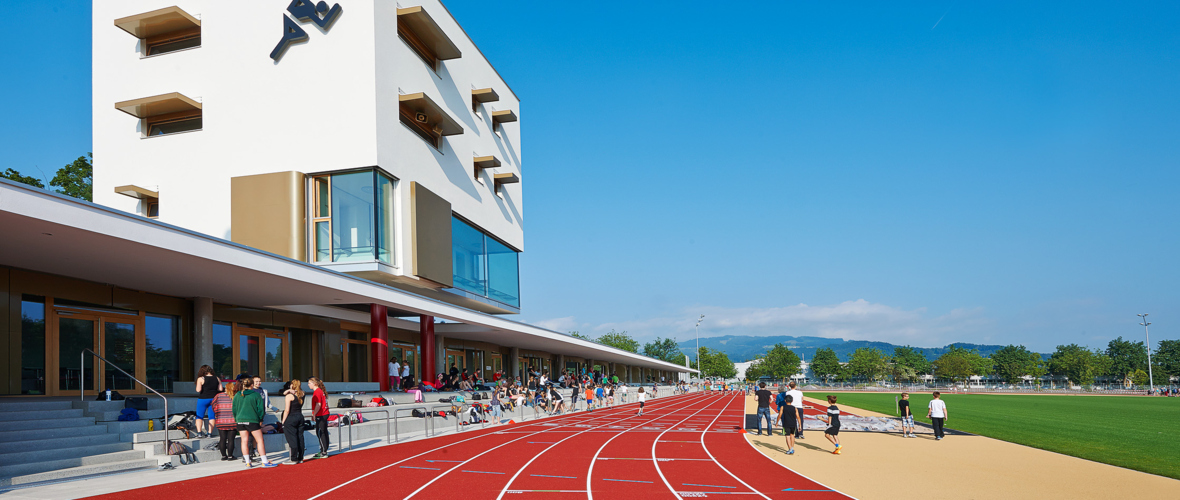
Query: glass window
384	219
163	351
468	258
302	359
174	126
322	198
32	334
350	335
503	275
358	362
274	360
323	241
74	335
352	217
175	43
248	354
223	350
119	348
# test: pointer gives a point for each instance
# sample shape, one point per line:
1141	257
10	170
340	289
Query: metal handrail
339	436
82	390
448	407
396	432
362	411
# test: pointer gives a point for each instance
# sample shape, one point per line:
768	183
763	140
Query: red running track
688	446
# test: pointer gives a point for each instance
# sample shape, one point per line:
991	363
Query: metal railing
433	413
388	436
428	426
82	392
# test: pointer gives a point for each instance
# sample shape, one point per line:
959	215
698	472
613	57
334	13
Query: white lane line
590	471
747	440
661	472
707	452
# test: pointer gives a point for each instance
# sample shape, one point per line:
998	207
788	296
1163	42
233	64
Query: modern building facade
285	188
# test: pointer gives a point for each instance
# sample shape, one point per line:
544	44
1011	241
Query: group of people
790	415
239	408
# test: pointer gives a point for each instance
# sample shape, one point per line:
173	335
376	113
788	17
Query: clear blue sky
919	173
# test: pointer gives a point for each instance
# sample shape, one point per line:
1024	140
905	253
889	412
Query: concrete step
82	471
60	453
55	443
7	405
7	436
148	437
65	463
49	423
11	416
113	416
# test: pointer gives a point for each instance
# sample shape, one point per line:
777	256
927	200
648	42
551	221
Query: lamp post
1147	335
698	342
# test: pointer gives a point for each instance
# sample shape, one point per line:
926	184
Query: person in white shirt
395	374
623	392
797	396
405	373
937	415
642	397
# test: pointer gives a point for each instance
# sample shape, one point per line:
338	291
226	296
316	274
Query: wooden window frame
344	340
318	217
172	118
173	37
149	204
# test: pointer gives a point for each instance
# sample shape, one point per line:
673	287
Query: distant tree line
75	179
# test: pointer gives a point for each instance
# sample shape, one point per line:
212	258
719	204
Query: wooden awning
137	192
482	162
436	116
501	179
484	95
416	20
158	22
147	107
505	116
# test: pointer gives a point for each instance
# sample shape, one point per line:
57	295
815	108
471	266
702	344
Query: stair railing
82	392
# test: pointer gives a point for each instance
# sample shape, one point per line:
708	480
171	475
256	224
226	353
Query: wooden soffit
163	104
502	179
158	22
436	116
484	95
416	19
506	116
483	162
137	192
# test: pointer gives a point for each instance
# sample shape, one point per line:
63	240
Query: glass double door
262	353
118	338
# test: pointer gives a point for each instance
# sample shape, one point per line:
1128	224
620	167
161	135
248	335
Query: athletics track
687	446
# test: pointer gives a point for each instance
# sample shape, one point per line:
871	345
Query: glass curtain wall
163	351
483	265
223	350
32	332
353	217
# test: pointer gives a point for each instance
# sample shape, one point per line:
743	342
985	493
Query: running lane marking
706	448
505	489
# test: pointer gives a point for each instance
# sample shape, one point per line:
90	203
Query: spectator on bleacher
223	410
465	385
319	410
464	375
207	388
293	419
454	370
248	410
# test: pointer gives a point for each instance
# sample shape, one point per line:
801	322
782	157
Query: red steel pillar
379	344
426	342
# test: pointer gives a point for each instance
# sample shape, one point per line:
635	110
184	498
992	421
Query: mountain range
747	348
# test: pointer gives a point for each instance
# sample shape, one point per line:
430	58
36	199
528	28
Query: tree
779	363
826	364
619	340
1166	359
13	175
1126	357
756	370
1138	377
76	179
577	335
959	364
1078	364
1012	363
664	350
716	364
868	363
910	358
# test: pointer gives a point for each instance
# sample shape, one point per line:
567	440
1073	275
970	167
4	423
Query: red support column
379	344
426	341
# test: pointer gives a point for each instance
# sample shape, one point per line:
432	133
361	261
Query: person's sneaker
836	451
269	465
791	451
249	465
938	439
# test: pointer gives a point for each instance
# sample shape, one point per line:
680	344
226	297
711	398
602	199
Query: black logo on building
304	11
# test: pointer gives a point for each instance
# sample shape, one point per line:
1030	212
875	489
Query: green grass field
1134	432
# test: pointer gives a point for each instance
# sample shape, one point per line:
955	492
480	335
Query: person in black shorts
788	416
907	417
833	421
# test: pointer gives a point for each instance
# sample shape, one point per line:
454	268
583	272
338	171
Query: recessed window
352	217
162	31
425	37
164	114
172	124
427	119
173	42
153	209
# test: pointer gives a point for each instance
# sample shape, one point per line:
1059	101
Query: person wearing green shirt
248	411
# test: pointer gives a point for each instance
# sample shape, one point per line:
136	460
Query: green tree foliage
1166	358
1126	357
959	364
1012	363
619	340
756	370
575	334
779	363
76	179
716	364
664	350
1078	364
867	363
1138	377
13	175
909	357
826	364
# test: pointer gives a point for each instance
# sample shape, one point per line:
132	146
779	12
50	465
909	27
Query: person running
207	388
319	410
248	411
292	419
907	418
223	409
642	398
764	409
797	396
600	396
557	400
786	415
589	397
937	414
496	410
832	433
610	395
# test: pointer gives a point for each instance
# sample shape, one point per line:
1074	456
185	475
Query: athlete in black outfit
833	420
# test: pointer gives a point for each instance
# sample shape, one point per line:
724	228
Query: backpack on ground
417	414
128	415
377	401
476	396
186	455
344	403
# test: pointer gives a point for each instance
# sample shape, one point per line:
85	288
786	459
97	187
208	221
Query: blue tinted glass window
32	321
163	351
468	257
352	217
503	273
384	219
223	350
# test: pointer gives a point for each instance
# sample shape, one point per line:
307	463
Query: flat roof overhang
147	107
137	192
505	116
158	22
416	19
420	102
55	234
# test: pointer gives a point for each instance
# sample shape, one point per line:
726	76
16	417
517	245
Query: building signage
304	11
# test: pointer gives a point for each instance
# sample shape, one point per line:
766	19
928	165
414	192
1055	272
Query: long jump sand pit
876	465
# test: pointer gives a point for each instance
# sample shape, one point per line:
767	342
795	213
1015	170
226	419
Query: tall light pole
698	338
1147	335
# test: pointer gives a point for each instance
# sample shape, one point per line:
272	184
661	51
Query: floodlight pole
1147	335
698	342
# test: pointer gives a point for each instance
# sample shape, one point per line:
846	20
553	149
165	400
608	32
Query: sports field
1138	433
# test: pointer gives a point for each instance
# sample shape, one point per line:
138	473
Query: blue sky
921	173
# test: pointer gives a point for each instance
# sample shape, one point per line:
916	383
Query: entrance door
458	359
262	353
118	338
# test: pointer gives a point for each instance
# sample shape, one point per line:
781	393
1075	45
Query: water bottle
108	394
151	425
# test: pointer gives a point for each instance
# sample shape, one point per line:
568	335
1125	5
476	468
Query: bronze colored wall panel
267	212
9	339
430	230
227	313
60	287
151	303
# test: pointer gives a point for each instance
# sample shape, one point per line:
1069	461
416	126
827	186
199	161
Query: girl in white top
642	398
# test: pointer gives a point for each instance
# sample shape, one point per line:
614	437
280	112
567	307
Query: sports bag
128	415
344	403
137	402
186	455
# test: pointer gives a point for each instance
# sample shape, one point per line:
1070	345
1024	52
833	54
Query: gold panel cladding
163	104
417	20
430	229
267	212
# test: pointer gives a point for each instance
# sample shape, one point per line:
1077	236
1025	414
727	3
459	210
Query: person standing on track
764	396
293	420
642	397
797	396
937	414
833	421
319	409
248	411
223	409
786	415
907	417
208	386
